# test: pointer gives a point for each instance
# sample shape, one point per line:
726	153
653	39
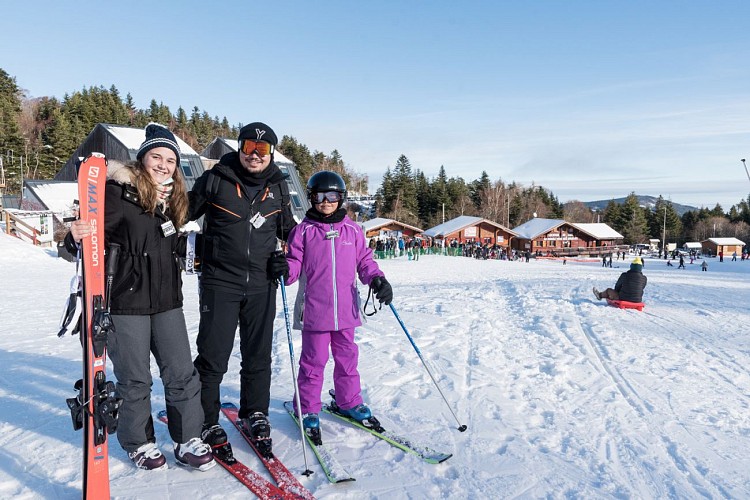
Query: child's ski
427	454
334	471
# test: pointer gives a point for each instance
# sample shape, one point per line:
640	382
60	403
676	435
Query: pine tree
12	143
441	200
424	197
633	221
386	195
664	223
405	205
477	189
299	154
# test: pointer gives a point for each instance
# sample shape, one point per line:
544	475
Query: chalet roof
537	226
725	241
693	244
378	222
598	230
459	223
132	138
56	196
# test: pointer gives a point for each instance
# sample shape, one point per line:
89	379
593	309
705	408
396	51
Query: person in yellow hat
629	286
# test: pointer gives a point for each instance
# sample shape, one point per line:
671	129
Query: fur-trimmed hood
120	172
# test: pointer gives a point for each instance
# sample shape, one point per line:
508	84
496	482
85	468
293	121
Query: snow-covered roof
693	244
457	224
377	222
598	230
132	138
57	196
452	226
536	226
726	241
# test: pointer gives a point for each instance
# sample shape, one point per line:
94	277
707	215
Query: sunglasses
329	196
249	147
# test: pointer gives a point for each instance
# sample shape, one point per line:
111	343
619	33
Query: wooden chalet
713	246
386	228
468	229
562	238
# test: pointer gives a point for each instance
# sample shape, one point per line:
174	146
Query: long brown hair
177	206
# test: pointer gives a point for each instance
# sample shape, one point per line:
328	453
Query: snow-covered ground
563	396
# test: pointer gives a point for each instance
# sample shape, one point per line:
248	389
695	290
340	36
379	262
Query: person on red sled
629	286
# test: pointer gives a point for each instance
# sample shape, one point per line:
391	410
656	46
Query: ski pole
461	427
307	472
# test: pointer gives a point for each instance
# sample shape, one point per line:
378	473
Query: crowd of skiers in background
394	247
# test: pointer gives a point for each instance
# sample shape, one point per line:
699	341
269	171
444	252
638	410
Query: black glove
382	289
278	266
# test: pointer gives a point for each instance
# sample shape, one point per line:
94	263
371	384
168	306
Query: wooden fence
16	227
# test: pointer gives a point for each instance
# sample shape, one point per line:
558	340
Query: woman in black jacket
146	202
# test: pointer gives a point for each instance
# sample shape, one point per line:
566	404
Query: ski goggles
249	147
329	196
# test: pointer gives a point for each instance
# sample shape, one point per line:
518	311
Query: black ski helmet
325	180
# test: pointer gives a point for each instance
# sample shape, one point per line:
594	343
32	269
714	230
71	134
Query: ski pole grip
114	251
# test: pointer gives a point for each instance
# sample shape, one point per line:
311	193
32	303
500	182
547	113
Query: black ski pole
307	472
461	427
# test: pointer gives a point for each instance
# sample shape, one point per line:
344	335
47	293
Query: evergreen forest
38	135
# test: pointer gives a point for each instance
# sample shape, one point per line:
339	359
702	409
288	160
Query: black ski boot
258	429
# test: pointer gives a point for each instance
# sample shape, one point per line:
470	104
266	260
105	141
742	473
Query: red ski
256	483
96	406
283	477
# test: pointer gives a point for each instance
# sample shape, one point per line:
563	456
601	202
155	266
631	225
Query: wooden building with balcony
468	229
557	237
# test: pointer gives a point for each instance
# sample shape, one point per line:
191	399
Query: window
296	201
186	170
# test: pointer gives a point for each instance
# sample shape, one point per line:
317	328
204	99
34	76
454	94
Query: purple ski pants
312	365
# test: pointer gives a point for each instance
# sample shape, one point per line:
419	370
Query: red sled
624	304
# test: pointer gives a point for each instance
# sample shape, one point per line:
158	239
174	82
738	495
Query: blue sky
591	99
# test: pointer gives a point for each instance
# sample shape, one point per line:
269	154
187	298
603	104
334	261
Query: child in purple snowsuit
326	253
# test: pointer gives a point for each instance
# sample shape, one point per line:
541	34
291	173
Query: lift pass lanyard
168	228
257	220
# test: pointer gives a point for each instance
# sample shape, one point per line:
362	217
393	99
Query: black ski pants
221	311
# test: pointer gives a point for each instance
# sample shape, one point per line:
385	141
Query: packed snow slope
563	396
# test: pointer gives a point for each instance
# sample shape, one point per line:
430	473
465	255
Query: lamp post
746	172
664	232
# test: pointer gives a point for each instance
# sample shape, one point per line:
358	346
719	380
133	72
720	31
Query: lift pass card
168	228
257	220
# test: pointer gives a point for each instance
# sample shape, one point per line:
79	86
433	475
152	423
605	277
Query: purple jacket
330	266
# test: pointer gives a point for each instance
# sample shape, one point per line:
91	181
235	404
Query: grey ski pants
129	348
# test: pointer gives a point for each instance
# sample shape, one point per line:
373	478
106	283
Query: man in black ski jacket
629	286
246	206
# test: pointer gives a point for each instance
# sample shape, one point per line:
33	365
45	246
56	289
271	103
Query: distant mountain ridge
643	200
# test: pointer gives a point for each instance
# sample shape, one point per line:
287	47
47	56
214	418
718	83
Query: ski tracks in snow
676	471
567	360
